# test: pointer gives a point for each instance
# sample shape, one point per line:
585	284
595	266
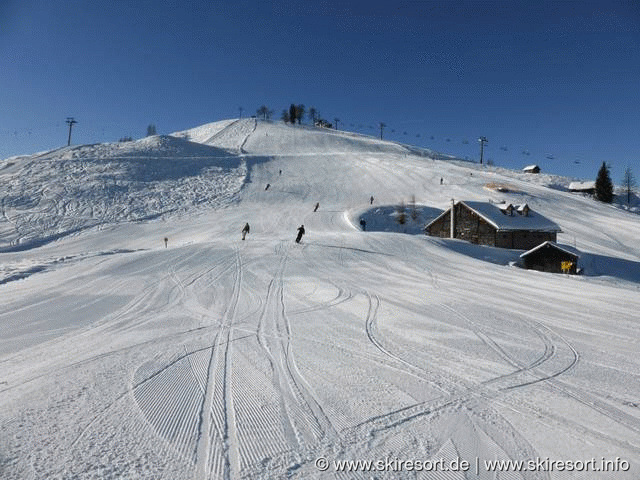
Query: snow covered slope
53	194
212	357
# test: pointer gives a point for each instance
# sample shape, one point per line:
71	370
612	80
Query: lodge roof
579	186
493	214
563	248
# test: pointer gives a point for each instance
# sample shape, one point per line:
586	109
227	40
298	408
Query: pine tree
604	186
151	130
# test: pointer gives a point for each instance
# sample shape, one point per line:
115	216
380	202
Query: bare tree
264	112
628	183
414	209
401	213
300	109
292	114
313	114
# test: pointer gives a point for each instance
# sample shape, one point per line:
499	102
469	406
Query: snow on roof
530	167
582	185
493	214
563	248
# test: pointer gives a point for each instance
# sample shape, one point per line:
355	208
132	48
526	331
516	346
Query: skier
363	224
300	233
440	180
371	200
267	187
245	230
315	209
166	240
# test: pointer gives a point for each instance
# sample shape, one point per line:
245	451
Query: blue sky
554	79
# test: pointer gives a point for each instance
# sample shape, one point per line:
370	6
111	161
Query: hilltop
213	357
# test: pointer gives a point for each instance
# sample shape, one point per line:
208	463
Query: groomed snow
213	357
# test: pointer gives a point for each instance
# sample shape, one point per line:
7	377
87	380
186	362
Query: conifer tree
604	186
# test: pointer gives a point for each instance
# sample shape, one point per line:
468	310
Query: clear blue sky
556	78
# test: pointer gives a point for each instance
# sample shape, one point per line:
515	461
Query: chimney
452	228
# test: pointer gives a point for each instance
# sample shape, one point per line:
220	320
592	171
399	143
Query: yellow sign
566	266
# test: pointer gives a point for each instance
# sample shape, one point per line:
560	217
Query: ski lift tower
71	122
482	141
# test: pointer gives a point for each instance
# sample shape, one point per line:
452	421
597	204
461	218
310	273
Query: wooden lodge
588	188
551	257
501	225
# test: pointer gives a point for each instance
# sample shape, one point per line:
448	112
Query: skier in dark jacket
245	230
300	233
315	209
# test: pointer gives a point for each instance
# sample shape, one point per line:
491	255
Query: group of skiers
301	231
246	229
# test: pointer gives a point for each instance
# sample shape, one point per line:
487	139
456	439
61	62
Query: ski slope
216	358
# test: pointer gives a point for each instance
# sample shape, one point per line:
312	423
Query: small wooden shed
531	169
551	257
583	187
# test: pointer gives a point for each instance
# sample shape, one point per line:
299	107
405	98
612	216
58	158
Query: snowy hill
213	357
67	190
